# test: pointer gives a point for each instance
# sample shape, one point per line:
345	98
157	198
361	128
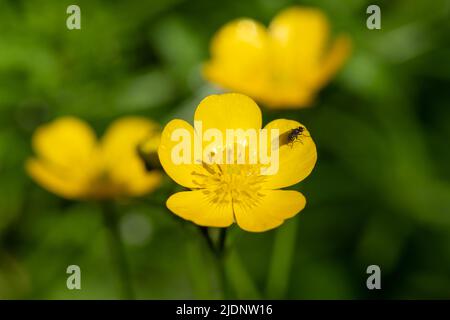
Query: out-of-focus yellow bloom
282	66
73	164
230	192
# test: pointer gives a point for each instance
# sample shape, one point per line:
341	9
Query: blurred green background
380	193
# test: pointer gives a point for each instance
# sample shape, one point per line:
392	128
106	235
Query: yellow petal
120	155
298	37
139	183
59	182
288	96
333	59
296	160
125	132
66	157
228	111
197	207
282	66
67	142
179	172
239	57
274	207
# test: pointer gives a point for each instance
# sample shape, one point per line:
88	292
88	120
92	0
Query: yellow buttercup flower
73	164
282	66
226	193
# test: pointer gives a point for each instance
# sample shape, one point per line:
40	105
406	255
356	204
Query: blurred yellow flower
282	66
73	164
224	193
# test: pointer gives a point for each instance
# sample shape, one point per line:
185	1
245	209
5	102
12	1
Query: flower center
230	183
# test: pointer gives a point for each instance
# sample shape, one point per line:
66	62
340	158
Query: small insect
296	134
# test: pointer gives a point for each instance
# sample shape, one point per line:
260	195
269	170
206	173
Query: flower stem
239	279
218	251
110	219
221	262
222	240
235	282
201	285
205	233
281	260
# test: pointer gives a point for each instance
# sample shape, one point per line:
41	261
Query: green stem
205	233
221	257
110	219
218	251
281	260
239	279
220	262
222	241
201	284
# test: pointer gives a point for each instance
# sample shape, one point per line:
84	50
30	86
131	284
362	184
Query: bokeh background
380	193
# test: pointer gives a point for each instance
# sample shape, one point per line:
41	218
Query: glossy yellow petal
120	155
67	142
288	96
198	207
138	183
230	116
296	159
228	111
298	38
239	57
333	59
150	144
59	182
274	207
242	40
175	134
282	66
124	133
67	157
